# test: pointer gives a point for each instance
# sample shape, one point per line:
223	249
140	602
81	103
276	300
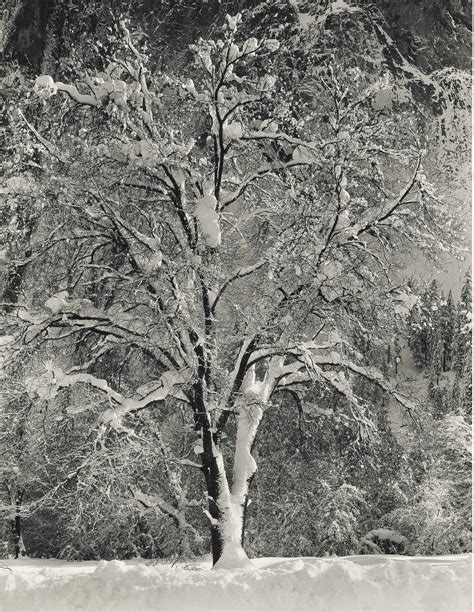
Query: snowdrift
366	583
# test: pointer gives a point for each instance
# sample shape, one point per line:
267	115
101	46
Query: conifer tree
447	323
422	326
436	365
462	333
462	352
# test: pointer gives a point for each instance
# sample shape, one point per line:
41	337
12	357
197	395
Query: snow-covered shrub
383	542
436	519
341	513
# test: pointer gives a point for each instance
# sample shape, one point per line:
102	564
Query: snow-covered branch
241	273
249	179
396	204
168	385
316	366
49	146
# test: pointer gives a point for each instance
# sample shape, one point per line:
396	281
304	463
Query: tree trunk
226	523
227	528
227	504
184	545
246	505
16	526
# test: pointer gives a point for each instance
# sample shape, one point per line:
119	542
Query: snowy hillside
368	583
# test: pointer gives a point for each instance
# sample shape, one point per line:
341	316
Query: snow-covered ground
365	583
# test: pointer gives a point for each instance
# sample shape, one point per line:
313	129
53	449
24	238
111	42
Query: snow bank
369	583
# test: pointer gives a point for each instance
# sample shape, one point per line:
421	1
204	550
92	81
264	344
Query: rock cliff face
432	33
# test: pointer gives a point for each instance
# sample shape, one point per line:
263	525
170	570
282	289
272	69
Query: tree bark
246	505
228	526
16	526
226	519
227	504
210	470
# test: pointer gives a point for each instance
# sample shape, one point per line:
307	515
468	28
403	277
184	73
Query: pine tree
436	365
466	394
422	326
462	352
447	324
437	400
462	333
436	393
456	397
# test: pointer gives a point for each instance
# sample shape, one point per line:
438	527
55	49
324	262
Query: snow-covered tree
462	333
447	327
423	335
462	352
223	237
437	518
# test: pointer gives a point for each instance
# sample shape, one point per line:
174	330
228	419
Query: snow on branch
45	87
208	219
259	173
311	365
63	380
268	135
154	502
49	146
47	385
241	273
77	315
399	201
158	504
189	463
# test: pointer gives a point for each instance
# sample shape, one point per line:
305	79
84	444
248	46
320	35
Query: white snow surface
208	220
371	583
